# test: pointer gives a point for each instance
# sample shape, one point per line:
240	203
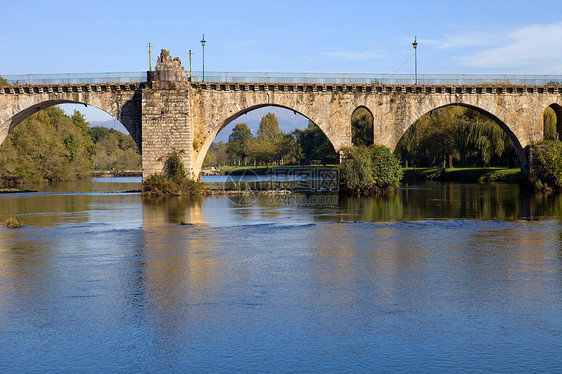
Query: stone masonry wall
213	106
123	103
166	127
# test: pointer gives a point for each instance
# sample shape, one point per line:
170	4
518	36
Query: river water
436	278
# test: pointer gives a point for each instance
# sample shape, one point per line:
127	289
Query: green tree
46	146
315	145
239	141
369	170
263	150
549	117
4	82
113	150
269	127
362	127
216	155
455	133
356	171
387	171
546	165
80	122
285	146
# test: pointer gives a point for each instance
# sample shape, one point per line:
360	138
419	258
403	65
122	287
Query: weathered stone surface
125	106
166	128
175	115
168	73
394	111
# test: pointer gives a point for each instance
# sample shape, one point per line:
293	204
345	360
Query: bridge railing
382	79
297	78
75	78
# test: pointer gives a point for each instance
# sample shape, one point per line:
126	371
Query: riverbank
262	170
459	175
15	190
111	174
463	175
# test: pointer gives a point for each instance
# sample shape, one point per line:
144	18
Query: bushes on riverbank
372	170
546	165
174	182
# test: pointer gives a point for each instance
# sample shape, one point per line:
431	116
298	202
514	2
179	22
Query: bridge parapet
363	88
164	110
70	88
378	79
171	70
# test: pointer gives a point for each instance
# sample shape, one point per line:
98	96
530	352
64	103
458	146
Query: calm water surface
437	278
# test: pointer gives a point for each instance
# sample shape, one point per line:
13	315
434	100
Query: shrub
546	165
387	171
369	171
174	167
163	185
356	171
14	223
174	183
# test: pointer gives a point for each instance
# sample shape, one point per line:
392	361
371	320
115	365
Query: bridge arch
557	109
362	126
221	124
521	154
12	115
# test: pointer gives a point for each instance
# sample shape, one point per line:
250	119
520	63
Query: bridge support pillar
166	127
166	123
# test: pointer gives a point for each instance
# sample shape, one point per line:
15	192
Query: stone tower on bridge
169	112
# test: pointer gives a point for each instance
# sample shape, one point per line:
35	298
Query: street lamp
190	75
203	44
415	45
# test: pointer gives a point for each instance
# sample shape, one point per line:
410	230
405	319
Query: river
436	278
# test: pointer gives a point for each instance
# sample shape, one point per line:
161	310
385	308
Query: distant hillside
110	124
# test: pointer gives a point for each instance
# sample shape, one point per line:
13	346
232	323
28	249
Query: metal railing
75	78
297	78
379	79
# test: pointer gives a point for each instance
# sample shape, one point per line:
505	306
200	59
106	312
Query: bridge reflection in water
274	282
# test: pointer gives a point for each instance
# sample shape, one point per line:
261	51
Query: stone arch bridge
169	111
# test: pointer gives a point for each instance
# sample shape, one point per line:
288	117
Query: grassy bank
464	175
265	170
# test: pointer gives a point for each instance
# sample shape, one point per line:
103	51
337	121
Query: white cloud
532	49
466	40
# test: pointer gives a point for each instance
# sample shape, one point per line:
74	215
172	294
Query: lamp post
415	45
190	75
149	57
203	44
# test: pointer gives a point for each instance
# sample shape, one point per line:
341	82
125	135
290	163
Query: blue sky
476	37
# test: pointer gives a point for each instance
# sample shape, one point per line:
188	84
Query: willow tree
456	133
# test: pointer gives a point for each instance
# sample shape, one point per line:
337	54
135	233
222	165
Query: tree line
449	136
52	146
272	146
456	136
